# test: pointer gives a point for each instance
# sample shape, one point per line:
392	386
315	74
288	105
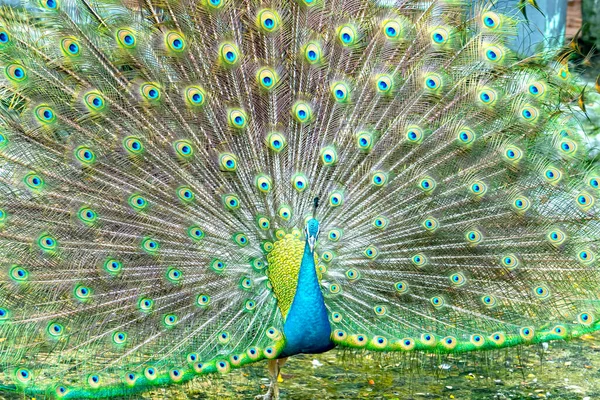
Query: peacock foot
272	393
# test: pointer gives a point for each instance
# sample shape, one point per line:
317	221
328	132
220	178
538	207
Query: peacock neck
307	328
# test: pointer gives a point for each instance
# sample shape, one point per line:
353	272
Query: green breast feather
284	258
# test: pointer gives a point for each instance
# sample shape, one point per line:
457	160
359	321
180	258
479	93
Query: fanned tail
156	157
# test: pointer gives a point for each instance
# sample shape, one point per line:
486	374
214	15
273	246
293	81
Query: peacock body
160	160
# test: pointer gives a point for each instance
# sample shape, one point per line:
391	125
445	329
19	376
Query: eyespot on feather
268	20
70	47
313	52
347	35
229	54
94	101
126	38
175	42
150	92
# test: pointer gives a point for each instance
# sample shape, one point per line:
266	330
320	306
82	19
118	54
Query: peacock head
311	232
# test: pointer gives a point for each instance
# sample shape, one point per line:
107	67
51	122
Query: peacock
191	186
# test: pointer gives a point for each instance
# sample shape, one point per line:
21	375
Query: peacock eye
175	42
340	91
267	78
432	82
126	38
215	4
392	29
276	142
230	54
312	52
329	156
4	37
70	47
268	20
487	97
347	35
439	36
237	118
151	92
302	112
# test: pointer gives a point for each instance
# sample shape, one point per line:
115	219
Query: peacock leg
280	363
273	392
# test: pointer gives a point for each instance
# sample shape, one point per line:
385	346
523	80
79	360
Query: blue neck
306	327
